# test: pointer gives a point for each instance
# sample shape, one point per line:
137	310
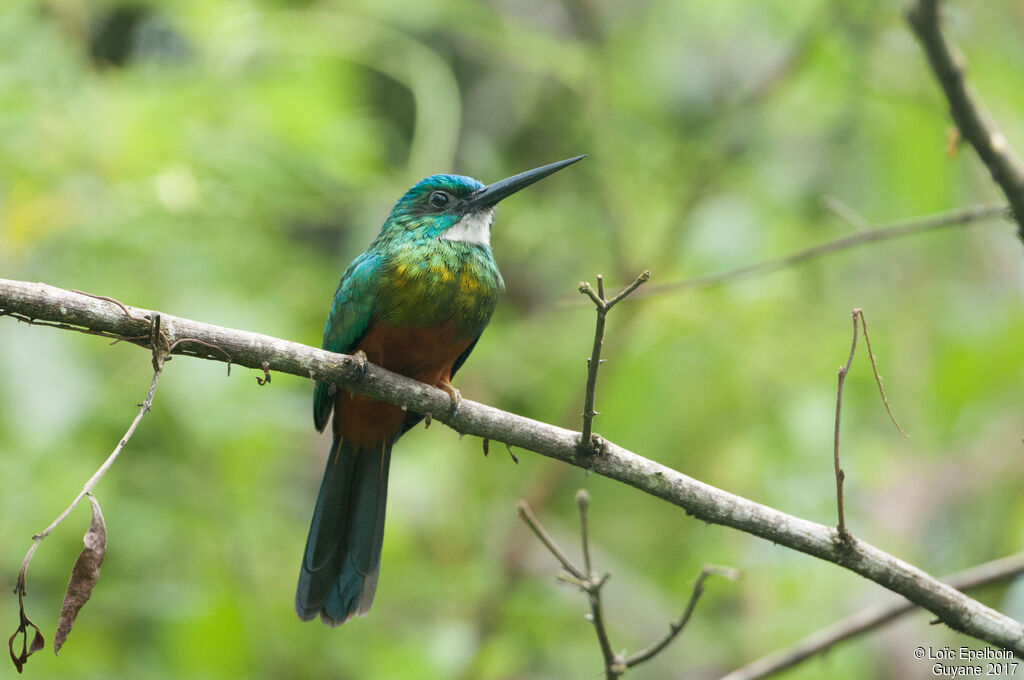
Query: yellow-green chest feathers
438	281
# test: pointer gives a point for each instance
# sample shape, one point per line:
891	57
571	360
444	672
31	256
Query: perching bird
415	303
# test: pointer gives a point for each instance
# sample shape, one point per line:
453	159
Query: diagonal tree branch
954	218
871	618
967	111
39	302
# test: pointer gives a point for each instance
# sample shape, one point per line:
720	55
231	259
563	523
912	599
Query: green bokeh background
224	161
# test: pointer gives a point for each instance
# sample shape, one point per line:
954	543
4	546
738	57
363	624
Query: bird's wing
462	357
347	323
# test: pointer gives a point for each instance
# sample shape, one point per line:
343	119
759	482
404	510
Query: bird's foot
360	362
453	393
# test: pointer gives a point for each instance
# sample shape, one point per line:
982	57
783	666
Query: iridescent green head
458	208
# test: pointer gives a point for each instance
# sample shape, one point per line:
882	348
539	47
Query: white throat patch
472	228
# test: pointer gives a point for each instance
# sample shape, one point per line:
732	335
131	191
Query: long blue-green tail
342	558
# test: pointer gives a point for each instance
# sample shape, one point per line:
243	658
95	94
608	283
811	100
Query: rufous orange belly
424	354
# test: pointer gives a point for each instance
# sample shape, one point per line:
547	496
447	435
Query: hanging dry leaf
84	574
26	650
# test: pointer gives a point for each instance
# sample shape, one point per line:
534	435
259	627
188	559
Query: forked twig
857	314
590	583
603	306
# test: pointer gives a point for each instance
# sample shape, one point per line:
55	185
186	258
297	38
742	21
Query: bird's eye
439	199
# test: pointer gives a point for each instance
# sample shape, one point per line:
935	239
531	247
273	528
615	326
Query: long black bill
492	193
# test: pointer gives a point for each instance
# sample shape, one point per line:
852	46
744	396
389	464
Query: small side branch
840	475
845	213
954	218
91	484
968	113
591	585
603	306
874	368
857	316
526	514
583	503
676	627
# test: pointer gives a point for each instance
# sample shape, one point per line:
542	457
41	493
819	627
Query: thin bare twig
603	306
209	345
120	304
872	618
592	585
856	315
974	123
676	627
88	487
840	475
878	378
845	213
583	503
526	514
593	364
116	337
916	225
614	664
640	280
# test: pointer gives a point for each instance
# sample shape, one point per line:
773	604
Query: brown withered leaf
26	650
84	574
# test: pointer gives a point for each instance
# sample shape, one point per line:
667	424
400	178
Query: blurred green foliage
225	160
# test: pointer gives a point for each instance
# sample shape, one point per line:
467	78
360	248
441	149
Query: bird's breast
424	353
427	354
450	282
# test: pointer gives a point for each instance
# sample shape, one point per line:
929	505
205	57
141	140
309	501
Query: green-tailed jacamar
415	303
